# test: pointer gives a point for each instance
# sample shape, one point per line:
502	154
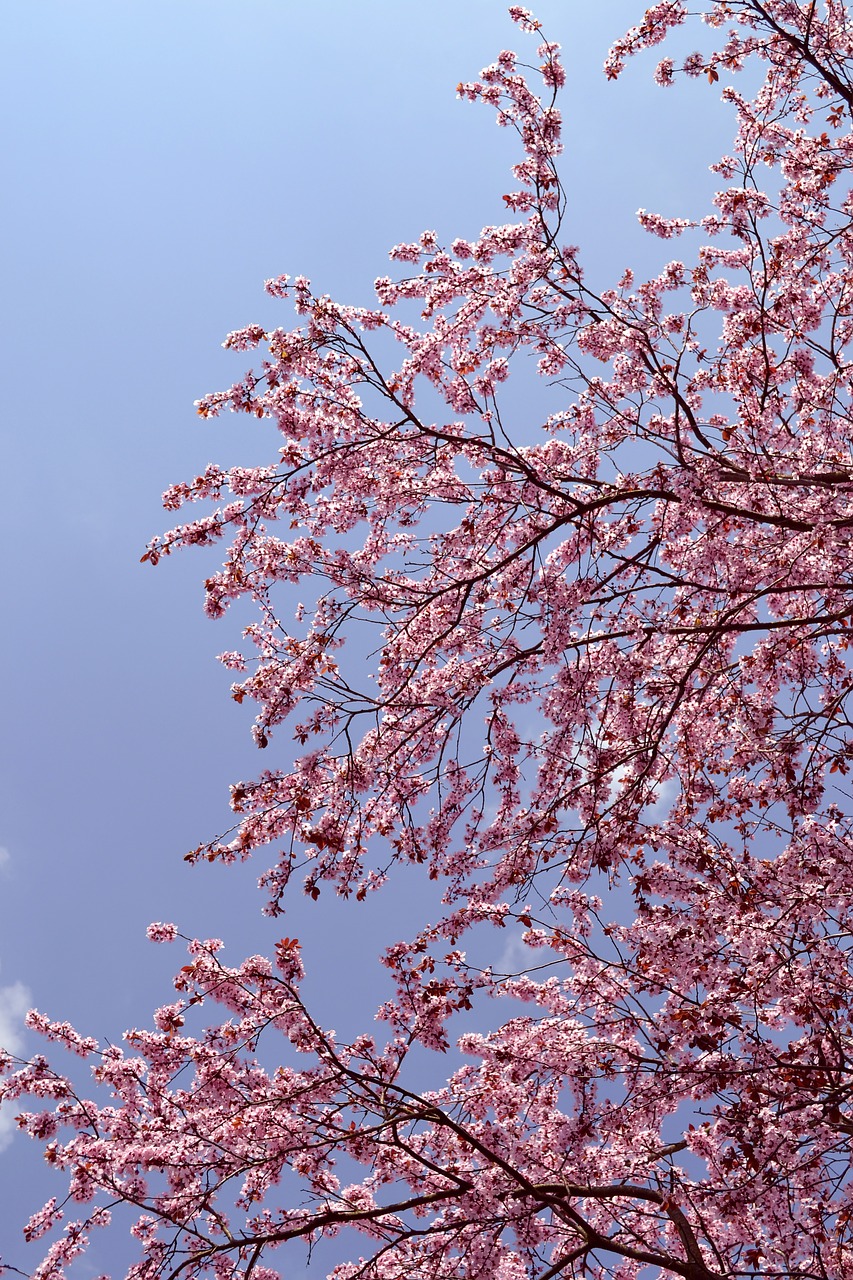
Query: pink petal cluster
598	541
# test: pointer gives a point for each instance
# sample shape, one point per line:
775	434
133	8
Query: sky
161	159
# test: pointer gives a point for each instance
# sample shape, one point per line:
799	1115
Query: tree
607	704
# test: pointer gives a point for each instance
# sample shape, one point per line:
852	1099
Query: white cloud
5	858
665	797
7	1127
15	1000
517	956
662	800
14	1003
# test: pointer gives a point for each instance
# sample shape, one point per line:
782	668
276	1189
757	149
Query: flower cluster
575	645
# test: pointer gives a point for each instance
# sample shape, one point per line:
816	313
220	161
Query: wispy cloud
516	956
5	858
15	1000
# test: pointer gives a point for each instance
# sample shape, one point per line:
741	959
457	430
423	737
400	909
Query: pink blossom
159	932
666	228
663	72
602	720
523	18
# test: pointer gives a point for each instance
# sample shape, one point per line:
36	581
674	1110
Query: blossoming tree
606	707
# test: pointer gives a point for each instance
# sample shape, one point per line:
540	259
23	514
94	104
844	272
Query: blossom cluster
599	540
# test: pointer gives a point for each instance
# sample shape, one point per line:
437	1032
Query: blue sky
161	160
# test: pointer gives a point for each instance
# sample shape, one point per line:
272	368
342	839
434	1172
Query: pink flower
663	72
158	932
524	18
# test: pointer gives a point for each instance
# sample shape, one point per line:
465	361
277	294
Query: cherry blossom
607	716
